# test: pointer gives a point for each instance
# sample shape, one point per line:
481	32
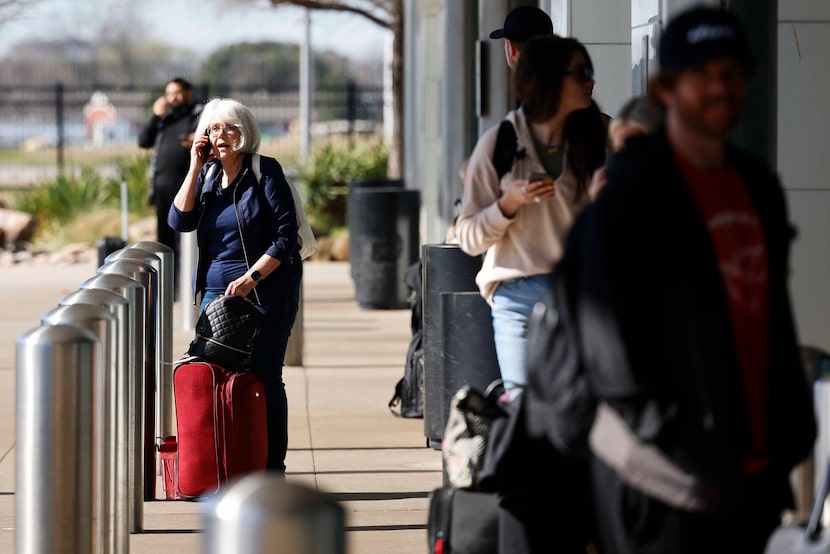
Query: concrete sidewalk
342	438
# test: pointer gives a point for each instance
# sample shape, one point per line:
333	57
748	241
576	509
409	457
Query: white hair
227	110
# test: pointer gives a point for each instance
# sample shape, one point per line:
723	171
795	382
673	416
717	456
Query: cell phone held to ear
205	151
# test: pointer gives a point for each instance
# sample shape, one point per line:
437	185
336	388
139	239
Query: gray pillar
458	92
493	87
295	349
56	368
758	129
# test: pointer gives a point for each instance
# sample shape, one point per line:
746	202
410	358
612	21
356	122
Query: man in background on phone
169	132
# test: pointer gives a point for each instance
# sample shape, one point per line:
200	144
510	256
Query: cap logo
706	32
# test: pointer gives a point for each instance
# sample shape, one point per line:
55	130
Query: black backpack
409	391
225	332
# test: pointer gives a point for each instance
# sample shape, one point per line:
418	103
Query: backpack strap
506	151
306	241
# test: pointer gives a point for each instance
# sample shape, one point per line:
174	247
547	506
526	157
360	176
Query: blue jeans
267	357
513	303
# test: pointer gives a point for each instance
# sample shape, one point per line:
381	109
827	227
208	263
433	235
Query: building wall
617	34
803	140
604	27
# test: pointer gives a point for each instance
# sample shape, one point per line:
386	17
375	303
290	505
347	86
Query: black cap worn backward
523	23
700	35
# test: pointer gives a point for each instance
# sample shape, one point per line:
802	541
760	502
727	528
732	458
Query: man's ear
657	91
511	52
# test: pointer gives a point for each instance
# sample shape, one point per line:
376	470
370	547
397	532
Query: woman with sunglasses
520	220
246	231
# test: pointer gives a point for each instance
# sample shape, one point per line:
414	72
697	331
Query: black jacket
642	322
165	135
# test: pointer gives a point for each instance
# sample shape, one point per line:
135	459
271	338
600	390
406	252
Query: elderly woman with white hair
247	237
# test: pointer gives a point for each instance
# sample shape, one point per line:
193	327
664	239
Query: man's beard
698	116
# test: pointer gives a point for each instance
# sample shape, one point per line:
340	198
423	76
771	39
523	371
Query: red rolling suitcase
222	426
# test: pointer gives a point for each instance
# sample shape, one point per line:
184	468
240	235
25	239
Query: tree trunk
395	166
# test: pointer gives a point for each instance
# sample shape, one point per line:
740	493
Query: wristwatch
256	276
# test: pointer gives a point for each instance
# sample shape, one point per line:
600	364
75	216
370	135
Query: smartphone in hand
548	180
206	151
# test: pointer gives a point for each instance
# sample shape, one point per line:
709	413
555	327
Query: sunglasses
582	72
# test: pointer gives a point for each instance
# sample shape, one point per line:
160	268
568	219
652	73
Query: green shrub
328	172
135	172
58	201
62	202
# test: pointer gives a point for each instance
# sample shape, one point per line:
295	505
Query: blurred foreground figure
675	360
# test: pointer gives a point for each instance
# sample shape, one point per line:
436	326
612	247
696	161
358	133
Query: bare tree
10	9
389	15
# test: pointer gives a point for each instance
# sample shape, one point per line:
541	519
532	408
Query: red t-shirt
730	217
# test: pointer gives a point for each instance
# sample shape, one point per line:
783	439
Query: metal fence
47	130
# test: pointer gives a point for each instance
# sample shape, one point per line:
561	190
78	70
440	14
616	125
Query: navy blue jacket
267	223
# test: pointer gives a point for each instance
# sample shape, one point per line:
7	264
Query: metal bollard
104	325
145	383
263	513
165	407
117	484
129	388
821	452
56	366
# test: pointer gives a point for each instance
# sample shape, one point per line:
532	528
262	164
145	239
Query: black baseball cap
702	34
523	23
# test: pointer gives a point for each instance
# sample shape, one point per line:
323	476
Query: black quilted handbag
225	332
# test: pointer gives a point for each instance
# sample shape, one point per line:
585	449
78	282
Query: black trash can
383	243
108	245
458	333
355	244
468	352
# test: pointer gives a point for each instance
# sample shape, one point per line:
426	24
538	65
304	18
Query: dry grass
86	228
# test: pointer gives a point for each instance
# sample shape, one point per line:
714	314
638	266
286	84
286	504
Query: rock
15	227
340	248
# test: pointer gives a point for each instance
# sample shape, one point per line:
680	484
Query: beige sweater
529	243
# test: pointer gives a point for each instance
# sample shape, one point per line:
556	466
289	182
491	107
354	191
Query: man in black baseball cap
521	24
688	343
704	46
701	35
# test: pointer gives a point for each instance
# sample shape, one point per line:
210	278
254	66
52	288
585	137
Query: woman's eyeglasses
582	72
216	130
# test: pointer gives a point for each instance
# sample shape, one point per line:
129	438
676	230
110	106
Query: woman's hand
526	191
597	183
242	286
